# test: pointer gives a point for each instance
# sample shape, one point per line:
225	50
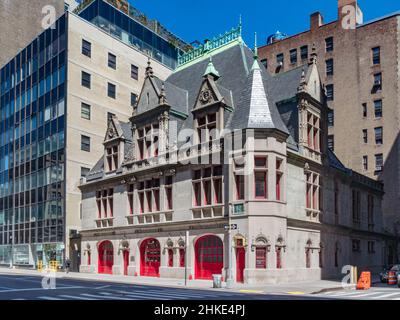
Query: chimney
350	11
316	20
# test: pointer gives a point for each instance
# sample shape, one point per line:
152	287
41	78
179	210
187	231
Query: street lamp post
229	281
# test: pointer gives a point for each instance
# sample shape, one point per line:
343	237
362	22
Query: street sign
231	227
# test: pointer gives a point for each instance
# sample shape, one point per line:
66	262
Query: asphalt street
17	287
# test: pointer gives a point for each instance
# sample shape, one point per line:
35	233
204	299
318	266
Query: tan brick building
359	68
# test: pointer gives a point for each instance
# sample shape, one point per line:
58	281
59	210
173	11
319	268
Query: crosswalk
137	295
375	294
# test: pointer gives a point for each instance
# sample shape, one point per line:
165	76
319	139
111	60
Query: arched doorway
106	257
209	257
150	257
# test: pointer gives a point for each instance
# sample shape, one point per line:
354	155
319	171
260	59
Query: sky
200	19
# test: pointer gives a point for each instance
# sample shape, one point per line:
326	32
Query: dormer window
313	132
206	128
147	141
112	158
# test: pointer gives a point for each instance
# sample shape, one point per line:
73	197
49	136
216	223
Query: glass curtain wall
32	154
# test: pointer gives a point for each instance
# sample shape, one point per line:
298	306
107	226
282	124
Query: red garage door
209	257
150	254
106	257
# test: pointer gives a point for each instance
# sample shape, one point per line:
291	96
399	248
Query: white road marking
143	295
367	294
387	295
49	298
76	297
103	297
342	294
39	289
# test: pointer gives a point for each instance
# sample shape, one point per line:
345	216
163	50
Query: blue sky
197	20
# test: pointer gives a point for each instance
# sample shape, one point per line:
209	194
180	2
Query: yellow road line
296	293
252	291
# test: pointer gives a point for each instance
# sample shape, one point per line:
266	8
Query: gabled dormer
312	112
211	103
114	145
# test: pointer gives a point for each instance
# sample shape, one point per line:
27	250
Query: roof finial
163	97
149	69
255	46
240	21
314	55
211	70
303	82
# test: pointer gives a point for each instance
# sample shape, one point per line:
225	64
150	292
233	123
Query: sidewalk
294	288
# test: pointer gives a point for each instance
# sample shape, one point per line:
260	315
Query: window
378	108
85	143
131	189
279	258
170	258
304	53
376	55
331	142
147	141
85	111
86	48
207	182
84	172
371	247
330	92
293	56
377	82
260	177
133	99
112	61
134	72
168	192
86	80
356	206
329	67
182	258
370	204
356	245
280	59
308	258
331	118
313	189
379	135
379	162
111	90
239	180
279	179
313	132
261	257
149	196
336	202
265	63
329	44
105	203
112	158
206	128
365	136
365	163
364	110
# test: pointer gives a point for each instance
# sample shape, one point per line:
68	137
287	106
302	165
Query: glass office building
32	151
124	27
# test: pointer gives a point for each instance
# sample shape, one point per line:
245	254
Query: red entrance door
150	254
106	257
209	257
126	262
240	264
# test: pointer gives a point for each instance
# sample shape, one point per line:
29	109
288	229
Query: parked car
385	273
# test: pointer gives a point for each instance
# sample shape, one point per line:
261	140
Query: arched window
170	258
308	254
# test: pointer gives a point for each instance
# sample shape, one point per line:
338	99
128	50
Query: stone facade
353	89
287	198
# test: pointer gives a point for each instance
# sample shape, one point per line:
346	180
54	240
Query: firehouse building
159	201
